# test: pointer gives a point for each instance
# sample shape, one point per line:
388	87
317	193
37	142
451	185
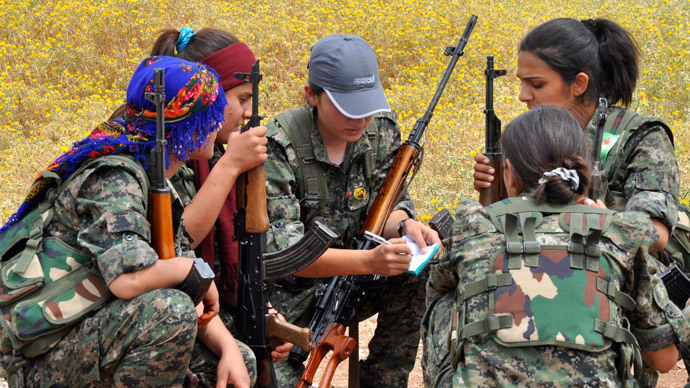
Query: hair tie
186	34
565	174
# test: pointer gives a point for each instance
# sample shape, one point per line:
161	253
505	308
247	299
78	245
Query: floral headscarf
195	104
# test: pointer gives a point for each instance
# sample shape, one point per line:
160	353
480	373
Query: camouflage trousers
436	326
392	349
143	342
204	362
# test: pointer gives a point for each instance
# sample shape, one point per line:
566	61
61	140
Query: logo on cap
364	80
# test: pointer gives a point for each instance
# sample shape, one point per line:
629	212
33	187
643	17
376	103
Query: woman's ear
509	179
579	85
312	98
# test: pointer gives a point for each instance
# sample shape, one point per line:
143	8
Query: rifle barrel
455	52
595	185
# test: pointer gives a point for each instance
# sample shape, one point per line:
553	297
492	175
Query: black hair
600	48
203	43
541	140
316	89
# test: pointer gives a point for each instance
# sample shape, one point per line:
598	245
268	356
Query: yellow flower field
65	67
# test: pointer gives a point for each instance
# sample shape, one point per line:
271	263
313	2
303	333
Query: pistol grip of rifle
497	191
286	331
256	214
161	224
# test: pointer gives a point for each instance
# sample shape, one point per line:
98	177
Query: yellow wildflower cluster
66	64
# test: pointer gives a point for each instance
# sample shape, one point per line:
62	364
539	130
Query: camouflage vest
623	130
529	284
46	286
312	187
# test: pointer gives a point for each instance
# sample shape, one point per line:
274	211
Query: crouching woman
538	289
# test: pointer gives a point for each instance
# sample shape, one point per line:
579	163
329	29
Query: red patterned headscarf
194	108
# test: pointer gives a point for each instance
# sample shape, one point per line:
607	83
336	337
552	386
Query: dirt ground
674	379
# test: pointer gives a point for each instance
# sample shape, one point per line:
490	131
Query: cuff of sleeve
657	205
130	255
677	318
655	338
407	206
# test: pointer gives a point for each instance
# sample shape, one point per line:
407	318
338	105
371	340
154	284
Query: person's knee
170	313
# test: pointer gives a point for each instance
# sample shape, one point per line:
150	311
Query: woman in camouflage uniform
565	61
538	290
142	336
207	188
327	160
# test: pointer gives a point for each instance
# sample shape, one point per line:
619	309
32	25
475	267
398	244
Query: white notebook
419	259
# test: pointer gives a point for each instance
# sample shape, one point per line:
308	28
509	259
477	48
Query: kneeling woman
128	326
539	289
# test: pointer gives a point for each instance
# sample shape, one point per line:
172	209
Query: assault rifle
160	205
595	185
497	191
251	224
160	209
336	304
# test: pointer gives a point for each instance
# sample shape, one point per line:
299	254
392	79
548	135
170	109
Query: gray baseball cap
345	66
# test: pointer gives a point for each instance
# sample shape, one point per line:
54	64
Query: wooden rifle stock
497	191
390	190
342	346
161	226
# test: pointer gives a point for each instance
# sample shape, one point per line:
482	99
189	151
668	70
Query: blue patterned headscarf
195	104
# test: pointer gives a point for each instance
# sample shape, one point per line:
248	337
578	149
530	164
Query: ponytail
549	140
555	189
619	59
196	47
165	44
600	48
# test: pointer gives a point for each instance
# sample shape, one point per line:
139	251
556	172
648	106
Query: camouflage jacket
349	195
640	172
99	220
484	362
103	211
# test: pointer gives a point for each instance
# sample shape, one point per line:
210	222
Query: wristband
401	226
198	281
